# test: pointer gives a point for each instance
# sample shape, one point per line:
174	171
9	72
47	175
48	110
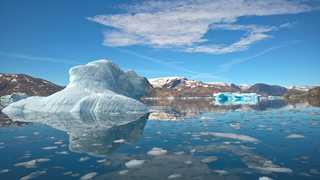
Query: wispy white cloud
175	66
37	58
183	24
228	65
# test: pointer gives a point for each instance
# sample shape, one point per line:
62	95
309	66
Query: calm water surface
179	140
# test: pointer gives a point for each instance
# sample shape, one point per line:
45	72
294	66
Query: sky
234	41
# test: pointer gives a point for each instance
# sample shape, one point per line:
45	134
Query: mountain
312	96
21	83
267	90
183	87
95	90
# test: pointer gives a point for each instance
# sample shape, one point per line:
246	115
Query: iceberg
230	98
95	89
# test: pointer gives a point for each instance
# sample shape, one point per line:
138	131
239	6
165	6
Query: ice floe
295	136
33	175
50	147
174	176
265	178
239	137
134	163
88	176
209	159
31	163
157	151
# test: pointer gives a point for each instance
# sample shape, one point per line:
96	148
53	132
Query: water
195	140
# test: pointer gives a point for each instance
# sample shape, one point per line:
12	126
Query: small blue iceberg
231	98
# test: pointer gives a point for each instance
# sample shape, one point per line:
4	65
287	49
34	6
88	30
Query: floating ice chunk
157	151
188	162
295	136
82	159
119	141
221	172
4	171
33	175
239	137
63	152
67	173
179	153
174	176
123	172
32	163
88	176
235	125
50	147
134	163
209	159
264	178
274	169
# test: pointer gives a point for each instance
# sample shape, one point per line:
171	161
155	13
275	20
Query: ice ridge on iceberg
97	88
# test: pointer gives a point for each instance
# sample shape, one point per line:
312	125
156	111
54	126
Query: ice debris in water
157	151
209	159
96	88
174	176
82	159
32	163
239	137
4	171
33	175
119	141
134	163
50	147
295	136
123	172
88	176
264	178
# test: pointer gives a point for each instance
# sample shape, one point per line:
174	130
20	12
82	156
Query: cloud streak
39	59
182	25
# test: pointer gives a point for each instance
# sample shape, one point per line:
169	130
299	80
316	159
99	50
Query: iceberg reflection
94	135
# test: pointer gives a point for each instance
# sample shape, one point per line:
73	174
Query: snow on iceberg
97	88
229	98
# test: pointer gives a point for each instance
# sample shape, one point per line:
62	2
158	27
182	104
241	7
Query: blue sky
239	41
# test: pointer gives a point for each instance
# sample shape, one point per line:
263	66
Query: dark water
192	140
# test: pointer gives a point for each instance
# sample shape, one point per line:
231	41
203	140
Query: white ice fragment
88	176
50	147
221	172
239	137
4	171
174	176
188	162
157	151
123	172
295	136
209	159
119	141
33	175
264	178
82	159
134	163
32	163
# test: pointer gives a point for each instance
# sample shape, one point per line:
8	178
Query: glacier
94	90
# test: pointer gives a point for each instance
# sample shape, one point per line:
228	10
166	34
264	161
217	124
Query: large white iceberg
95	89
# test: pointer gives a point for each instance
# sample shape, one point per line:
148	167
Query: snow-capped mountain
21	83
174	82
